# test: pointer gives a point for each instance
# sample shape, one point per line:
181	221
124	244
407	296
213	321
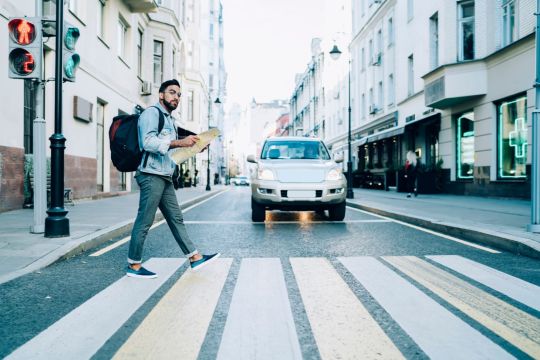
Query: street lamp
208	148
335	53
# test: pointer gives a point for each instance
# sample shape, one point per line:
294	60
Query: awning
428	118
386	134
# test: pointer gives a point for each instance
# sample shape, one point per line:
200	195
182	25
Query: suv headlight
265	174
333	175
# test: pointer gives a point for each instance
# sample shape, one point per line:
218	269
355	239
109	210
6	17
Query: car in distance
240	180
296	174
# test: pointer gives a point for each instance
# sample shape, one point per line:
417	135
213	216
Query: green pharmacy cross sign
518	138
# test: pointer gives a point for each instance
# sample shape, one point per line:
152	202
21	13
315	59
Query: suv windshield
295	150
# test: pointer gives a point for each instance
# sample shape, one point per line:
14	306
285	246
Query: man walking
155	182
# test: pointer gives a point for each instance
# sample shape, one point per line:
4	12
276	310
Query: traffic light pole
39	150
57	224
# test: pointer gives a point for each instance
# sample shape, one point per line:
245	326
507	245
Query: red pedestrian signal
22	31
25	48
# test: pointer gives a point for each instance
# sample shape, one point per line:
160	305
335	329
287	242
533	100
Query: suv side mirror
251	159
338	158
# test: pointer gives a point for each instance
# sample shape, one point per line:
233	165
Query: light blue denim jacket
156	146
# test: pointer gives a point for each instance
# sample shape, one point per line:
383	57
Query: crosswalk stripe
341	325
439	333
83	331
260	324
516	326
513	287
177	325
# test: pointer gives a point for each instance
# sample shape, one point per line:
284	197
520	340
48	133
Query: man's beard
169	106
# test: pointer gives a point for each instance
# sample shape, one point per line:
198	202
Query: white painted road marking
439	333
82	332
448	237
260	324
177	325
513	287
341	325
515	326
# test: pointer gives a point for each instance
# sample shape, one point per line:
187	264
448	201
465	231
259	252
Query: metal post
57	224
208	149
40	152
350	193
534	226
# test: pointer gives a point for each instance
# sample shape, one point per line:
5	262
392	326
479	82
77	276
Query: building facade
127	48
449	80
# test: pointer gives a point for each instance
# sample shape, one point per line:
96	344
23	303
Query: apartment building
127	48
450	80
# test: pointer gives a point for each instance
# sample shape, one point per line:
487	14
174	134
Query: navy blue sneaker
141	273
205	260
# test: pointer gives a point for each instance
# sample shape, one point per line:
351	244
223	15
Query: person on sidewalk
410	173
154	177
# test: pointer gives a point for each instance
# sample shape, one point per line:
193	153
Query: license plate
301	194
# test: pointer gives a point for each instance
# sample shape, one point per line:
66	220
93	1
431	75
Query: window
509	22
371	101
434	40
122	38
379	44
190	105
140	36
512	138
410	9
158	62
363	59
174	73
410	75
465	146
370	51
363	105
466	30
100	19
211	81
100	144
380	105
391	90
211	31
390	32
190	13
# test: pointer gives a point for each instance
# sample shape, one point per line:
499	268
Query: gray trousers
157	191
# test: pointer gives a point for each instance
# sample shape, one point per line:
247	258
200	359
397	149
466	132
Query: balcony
451	84
141	6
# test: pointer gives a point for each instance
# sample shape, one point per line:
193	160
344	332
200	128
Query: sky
266	43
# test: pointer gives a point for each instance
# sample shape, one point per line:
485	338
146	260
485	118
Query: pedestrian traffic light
25	48
71	59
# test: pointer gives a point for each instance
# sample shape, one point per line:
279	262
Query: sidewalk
92	222
497	222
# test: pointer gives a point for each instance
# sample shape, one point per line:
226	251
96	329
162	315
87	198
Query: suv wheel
337	212
258	211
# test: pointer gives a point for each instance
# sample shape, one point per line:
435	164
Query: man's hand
188	141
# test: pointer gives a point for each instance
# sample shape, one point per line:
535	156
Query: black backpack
124	138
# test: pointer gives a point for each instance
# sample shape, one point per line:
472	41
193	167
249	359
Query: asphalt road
296	286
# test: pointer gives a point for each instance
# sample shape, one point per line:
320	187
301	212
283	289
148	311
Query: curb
87	242
512	244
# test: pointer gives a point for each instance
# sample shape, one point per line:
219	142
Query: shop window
465	146
512	139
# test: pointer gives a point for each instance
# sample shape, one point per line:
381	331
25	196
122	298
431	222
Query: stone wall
11	178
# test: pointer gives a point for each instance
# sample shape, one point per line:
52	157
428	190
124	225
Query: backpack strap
161	124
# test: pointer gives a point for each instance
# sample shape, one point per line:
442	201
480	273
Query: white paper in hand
179	155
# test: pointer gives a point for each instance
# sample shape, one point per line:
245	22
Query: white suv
297	173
